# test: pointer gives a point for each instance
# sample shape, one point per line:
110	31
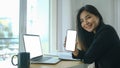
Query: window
9	28
38	21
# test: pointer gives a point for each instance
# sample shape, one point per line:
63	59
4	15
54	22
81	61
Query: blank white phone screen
70	40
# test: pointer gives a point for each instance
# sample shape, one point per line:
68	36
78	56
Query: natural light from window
9	28
38	21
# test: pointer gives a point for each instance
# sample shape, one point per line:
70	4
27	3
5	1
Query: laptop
33	46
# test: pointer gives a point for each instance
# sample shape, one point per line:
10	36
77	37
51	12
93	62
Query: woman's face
89	22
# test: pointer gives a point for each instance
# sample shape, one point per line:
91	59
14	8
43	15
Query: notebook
66	55
33	45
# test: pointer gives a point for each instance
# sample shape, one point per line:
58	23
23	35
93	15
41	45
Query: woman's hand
75	52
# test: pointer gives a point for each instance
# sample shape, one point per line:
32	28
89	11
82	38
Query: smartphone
70	40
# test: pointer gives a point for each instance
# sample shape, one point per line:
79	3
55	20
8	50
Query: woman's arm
79	50
101	45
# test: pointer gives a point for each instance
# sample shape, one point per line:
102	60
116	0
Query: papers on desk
66	55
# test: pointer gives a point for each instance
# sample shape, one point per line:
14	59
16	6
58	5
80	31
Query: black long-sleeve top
104	49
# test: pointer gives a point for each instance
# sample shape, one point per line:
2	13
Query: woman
101	43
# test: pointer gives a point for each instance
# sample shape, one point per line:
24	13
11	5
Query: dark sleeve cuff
80	55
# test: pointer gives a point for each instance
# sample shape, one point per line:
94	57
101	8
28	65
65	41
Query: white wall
67	10
117	15
106	10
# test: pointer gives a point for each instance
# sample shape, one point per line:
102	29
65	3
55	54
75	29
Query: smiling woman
89	21
100	40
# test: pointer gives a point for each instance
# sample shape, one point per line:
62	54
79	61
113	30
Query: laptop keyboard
41	58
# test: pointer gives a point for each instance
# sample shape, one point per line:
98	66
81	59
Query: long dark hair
83	35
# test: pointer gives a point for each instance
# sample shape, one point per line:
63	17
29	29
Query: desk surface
61	64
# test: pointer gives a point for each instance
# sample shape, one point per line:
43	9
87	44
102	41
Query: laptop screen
32	44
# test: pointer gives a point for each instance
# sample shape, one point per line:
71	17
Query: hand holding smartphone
70	40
